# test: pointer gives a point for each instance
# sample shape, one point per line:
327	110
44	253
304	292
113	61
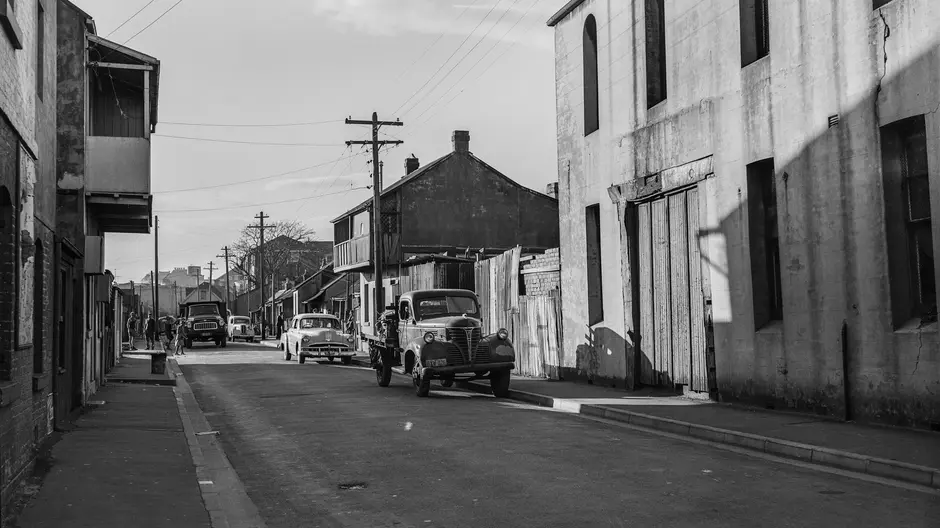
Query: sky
486	66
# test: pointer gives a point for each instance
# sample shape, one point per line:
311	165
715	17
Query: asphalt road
323	445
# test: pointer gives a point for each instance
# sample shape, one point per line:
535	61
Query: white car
240	327
317	336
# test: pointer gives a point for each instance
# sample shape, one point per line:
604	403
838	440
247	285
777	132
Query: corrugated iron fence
533	322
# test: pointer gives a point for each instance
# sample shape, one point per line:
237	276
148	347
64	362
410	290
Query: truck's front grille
466	349
205	326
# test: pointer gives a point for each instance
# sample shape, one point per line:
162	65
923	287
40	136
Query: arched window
591	115
39	304
7	282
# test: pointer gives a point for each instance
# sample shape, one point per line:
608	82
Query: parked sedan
317	336
239	327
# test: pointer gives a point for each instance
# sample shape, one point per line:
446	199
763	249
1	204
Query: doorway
66	370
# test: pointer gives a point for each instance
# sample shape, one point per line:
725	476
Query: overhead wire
259	204
263	143
478	42
438	39
441	67
139	11
475	64
251	125
145	28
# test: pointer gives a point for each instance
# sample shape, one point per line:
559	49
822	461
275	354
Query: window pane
924	269
918	195
915	152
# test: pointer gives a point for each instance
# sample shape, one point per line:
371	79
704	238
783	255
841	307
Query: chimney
552	190
411	165
461	141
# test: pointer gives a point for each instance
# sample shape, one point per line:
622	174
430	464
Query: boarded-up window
591	112
764	242
655	52
755	30
908	221
595	286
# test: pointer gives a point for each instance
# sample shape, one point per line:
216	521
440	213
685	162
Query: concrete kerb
223	493
877	467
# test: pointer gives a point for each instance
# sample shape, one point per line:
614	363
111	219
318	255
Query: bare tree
280	243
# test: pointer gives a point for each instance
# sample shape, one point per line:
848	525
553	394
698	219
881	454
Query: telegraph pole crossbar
377	257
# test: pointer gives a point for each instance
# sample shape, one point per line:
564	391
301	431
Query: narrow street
299	434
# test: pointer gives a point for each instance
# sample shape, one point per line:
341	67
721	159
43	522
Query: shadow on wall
601	345
844	340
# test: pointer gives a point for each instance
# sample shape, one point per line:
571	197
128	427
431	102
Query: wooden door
670	292
67	363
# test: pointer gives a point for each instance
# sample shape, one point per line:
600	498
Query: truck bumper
478	370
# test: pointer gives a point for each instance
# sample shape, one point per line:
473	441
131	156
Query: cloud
432	17
306	185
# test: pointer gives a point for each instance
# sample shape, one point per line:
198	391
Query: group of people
171	334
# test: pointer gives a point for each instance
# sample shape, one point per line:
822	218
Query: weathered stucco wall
835	349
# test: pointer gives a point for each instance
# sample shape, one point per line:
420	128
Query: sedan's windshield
446	305
319	322
203	309
240	320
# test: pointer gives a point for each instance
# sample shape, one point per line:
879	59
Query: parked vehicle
240	327
202	321
317	336
438	334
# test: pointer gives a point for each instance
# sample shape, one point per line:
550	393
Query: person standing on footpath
131	330
151	331
280	325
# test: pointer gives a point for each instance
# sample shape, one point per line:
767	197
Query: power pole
156	266
228	298
261	218
376	198
211	269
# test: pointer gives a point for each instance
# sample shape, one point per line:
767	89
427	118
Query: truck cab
438	335
203	322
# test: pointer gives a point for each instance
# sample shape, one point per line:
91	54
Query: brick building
457	205
541	274
28	248
746	187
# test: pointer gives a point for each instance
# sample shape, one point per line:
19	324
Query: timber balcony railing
352	253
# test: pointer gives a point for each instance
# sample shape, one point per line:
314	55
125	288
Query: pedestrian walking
132	330
168	334
280	325
151	332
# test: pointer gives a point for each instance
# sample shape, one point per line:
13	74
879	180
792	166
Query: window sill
771	328
40	382
915	326
10	27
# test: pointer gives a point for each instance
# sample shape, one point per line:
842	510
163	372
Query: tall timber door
672	300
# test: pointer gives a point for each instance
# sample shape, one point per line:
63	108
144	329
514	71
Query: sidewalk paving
126	463
134	367
907	455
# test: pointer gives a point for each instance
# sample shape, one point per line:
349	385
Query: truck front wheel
383	372
422	384
499	383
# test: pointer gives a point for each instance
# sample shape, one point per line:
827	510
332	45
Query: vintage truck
203	321
438	335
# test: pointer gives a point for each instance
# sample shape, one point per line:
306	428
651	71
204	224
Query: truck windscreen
203	309
447	305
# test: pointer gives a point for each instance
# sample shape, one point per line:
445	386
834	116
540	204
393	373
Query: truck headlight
306	339
429	337
502	333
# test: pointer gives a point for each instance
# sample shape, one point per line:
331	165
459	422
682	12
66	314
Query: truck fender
421	349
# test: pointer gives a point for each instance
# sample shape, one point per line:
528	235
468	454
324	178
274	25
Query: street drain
353	486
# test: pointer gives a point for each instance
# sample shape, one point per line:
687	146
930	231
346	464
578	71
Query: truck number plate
436	362
206	334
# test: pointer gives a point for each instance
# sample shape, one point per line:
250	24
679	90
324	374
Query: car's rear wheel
347	360
499	383
330	358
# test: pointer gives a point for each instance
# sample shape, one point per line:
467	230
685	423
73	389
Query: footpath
141	455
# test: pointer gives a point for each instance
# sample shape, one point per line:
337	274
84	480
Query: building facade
28	246
106	111
748	186
456	204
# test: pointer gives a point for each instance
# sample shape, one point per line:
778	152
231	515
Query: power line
466	54
263	143
441	67
250	125
485	55
248	205
439	37
154	22
129	19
